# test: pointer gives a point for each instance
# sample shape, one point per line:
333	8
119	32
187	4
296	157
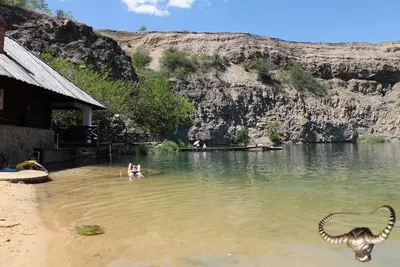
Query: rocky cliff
68	39
363	81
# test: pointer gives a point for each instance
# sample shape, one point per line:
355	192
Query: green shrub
61	14
141	58
142	28
373	139
166	147
273	131
262	66
176	62
302	79
37	5
241	136
156	107
142	150
151	104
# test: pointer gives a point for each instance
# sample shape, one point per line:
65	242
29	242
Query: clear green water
229	208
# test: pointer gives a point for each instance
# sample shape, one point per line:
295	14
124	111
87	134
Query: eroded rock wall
362	81
69	39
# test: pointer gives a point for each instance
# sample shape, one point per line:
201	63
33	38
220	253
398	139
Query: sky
293	20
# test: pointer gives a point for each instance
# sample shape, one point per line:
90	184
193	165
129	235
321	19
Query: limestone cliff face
69	39
363	81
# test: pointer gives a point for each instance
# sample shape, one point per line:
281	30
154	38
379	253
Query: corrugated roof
20	64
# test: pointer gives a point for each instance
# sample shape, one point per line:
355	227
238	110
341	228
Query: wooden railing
95	135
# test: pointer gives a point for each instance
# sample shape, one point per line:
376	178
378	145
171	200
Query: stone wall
17	143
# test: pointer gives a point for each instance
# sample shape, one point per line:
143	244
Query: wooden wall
25	105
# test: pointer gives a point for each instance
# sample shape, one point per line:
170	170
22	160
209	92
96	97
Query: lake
228	208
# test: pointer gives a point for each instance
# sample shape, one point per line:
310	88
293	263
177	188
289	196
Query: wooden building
29	91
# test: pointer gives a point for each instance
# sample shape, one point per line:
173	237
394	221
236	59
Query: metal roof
19	63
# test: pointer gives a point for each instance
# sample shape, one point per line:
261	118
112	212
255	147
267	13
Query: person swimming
134	170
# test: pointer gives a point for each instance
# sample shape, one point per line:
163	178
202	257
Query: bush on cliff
301	79
179	64
176	62
36	5
61	14
262	66
241	136
205	63
273	131
141	58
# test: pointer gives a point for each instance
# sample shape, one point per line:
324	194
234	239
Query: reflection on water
229	208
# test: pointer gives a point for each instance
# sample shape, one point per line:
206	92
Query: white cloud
152	7
181	3
157	7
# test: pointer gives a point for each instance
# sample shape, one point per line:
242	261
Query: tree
141	58
156	107
113	93
142	29
61	14
274	132
37	5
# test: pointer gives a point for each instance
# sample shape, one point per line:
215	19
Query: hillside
67	38
362	81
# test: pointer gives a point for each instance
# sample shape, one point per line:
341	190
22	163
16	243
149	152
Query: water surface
228	208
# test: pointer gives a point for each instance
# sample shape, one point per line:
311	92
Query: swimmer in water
134	171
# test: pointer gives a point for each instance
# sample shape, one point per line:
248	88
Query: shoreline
25	235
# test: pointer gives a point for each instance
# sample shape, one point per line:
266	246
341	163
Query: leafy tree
61	14
151	104
142	28
37	5
176	62
113	93
155	105
241	136
274	132
141	58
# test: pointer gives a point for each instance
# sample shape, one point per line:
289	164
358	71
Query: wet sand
24	237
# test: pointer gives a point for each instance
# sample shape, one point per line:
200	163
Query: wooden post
126	136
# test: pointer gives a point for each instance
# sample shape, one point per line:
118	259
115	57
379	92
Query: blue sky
295	20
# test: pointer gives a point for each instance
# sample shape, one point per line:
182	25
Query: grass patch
89	230
371	139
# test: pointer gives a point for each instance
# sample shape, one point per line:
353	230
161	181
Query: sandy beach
24	237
